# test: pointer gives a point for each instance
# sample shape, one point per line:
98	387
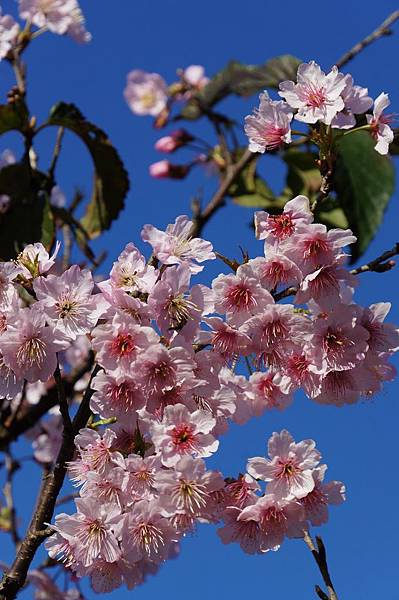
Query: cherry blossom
145	93
317	96
379	124
269	126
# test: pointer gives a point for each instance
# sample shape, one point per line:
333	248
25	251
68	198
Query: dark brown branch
382	30
62	399
52	483
379	264
232	172
320	556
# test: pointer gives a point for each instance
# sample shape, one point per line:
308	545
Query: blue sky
359	443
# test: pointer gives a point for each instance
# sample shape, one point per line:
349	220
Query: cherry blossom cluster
170	361
62	17
315	97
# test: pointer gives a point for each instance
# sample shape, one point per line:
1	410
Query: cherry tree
126	382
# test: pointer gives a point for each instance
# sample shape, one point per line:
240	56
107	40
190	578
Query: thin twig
62	400
52	483
379	264
56	153
11	467
382	30
320	556
217	201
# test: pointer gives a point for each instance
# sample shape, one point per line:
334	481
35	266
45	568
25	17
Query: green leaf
303	176
29	217
242	80
111	182
364	182
13	117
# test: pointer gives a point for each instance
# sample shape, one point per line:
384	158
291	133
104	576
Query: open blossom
118	343
194	75
146	533
34	260
131	273
116	395
188	488
379	124
67	301
317	96
181	432
9	30
357	101
275	229
289	469
176	246
277	517
29	347
59	16
146	93
316	502
268	127
92	531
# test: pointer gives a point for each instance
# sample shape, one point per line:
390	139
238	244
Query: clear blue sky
359	442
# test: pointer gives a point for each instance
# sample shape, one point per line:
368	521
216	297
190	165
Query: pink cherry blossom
277	517
146	533
59	16
9	30
34	260
338	340
289	469
383	337
356	101
175	245
92	531
194	75
317	96
118	343
274	270
131	273
183	433
267	391
268	127
379	124
187	489
274	229
316	502
116	395
29	347
67	301
145	93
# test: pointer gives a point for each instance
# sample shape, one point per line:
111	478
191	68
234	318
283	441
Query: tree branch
200	219
11	467
52	483
320	557
382	30
379	264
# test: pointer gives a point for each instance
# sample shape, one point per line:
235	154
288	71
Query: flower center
240	297
32	351
183	438
282	226
123	344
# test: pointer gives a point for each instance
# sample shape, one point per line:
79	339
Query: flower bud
164	169
176	139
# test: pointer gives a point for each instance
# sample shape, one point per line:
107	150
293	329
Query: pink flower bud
173	141
165	169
